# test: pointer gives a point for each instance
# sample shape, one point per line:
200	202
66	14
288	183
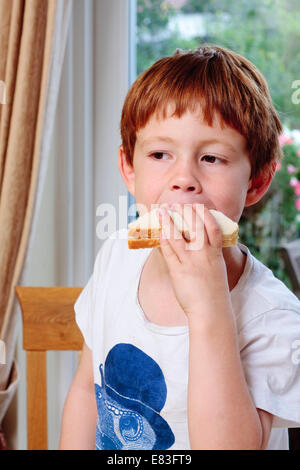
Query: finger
195	225
185	222
167	248
182	232
199	210
212	228
174	232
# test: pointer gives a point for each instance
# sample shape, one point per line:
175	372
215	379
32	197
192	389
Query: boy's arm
79	418
266	420
221	414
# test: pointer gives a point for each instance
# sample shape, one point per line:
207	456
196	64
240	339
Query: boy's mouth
173	204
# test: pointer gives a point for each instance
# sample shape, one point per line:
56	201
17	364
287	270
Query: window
267	33
264	31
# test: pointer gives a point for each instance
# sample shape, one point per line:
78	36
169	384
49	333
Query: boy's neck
234	259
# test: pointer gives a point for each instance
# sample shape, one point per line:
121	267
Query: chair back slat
48	324
49	318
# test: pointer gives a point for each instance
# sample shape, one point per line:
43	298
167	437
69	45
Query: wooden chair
48	324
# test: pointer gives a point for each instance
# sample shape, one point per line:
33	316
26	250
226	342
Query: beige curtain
27	32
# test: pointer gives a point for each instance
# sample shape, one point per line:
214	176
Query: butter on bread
144	232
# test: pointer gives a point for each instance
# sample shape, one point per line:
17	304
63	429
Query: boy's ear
259	185
126	170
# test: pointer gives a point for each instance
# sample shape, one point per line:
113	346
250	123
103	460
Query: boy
189	349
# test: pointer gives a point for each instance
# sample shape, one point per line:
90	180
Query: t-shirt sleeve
85	304
270	354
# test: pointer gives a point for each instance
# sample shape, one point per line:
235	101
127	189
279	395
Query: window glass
266	32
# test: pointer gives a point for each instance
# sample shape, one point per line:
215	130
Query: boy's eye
163	156
158	155
211	158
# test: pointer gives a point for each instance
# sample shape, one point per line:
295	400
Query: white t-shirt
141	368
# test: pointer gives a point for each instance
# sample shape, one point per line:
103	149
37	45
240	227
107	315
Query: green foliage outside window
265	31
275	220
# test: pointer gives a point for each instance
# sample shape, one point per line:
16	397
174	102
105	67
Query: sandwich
144	232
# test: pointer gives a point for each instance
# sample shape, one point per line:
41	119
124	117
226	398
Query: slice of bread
144	231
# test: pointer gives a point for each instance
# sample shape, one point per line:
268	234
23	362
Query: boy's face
184	160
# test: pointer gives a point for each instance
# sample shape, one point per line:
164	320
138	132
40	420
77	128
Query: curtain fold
32	43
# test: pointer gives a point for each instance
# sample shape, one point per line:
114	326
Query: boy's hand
197	268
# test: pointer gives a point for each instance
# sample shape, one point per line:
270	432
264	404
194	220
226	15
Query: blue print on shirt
133	391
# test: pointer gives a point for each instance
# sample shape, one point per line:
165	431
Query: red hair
220	81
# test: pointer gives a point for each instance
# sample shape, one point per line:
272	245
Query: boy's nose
184	187
186	184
